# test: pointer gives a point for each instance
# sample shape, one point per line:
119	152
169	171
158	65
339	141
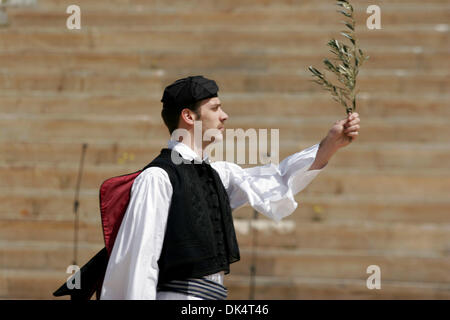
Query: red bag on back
114	195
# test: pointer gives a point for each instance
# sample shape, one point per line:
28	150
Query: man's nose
224	116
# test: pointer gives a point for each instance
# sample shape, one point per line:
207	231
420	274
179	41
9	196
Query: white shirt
132	271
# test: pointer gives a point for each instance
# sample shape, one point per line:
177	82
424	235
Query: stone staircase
382	201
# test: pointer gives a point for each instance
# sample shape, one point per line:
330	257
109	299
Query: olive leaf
349	59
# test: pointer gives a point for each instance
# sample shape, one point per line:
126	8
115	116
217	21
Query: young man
177	238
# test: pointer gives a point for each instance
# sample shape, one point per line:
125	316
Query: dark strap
91	278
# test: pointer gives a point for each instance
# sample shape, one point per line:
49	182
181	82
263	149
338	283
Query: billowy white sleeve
132	271
269	189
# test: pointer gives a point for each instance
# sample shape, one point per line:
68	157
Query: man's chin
217	137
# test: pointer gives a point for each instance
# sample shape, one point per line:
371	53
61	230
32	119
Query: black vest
200	237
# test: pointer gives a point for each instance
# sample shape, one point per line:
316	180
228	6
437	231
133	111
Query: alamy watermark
74	20
257	144
374	281
73	281
374	21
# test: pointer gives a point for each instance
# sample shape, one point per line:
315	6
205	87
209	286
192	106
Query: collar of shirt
185	151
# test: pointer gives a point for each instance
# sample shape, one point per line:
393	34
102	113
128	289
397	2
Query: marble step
227	38
387	58
29	284
80	129
386	237
44	204
16	103
329	264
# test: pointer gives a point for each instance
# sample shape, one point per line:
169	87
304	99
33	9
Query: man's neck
197	149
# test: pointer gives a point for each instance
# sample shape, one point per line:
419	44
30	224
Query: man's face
212	115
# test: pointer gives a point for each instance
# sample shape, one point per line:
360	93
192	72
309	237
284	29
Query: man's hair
171	117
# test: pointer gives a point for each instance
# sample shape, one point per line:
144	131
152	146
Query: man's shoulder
150	178
152	173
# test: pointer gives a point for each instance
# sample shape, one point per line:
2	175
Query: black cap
186	91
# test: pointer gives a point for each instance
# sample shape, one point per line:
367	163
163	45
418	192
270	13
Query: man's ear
187	116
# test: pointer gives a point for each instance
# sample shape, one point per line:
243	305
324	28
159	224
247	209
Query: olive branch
351	58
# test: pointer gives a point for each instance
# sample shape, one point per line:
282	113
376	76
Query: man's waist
208	287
